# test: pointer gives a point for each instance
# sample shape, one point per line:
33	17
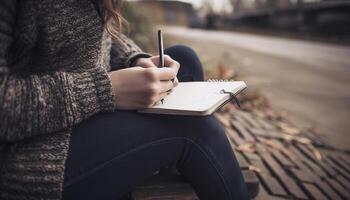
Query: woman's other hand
138	87
154	62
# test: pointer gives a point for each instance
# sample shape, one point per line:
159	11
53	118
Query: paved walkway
278	160
308	80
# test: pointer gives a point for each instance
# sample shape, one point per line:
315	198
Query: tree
236	5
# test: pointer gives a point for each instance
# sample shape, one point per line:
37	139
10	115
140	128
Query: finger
159	99
155	60
171	63
176	82
145	63
163	96
165	74
166	86
168	62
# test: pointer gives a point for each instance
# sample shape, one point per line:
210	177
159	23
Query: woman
69	129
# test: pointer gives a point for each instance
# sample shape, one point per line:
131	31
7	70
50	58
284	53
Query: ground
309	81
278	161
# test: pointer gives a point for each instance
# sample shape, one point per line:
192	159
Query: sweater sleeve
124	52
34	104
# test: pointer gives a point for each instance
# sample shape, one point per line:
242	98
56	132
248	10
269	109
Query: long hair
114	19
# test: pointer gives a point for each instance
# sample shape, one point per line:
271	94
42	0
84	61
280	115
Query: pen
161	52
161	48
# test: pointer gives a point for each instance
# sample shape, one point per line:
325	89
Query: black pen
161	48
161	52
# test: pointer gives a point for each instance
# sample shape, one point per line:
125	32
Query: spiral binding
233	98
219	80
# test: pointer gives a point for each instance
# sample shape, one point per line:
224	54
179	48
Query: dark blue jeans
111	153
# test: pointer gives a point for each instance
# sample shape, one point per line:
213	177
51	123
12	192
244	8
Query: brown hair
114	19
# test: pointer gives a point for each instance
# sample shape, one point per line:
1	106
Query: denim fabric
111	153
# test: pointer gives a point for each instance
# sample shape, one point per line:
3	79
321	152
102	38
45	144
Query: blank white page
198	96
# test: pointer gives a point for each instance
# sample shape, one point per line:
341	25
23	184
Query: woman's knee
204	130
182	51
190	63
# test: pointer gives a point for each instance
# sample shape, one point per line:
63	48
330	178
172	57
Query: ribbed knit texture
54	63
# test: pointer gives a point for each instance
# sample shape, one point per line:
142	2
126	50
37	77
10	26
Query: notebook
197	98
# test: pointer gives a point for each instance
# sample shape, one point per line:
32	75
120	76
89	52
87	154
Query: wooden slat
266	133
344	182
303	176
327	190
233	145
252	182
345	158
324	167
239	119
265	124
235	137
265	195
273	186
261	166
308	177
270	183
314	192
241	160
251	156
339	188
340	162
249	119
282	159
243	131
287	181
340	170
316	169
293	158
305	150
327	168
314	138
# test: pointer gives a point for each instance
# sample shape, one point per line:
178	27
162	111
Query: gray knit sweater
54	63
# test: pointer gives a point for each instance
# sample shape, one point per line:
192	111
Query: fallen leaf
304	141
286	128
316	152
273	144
248	147
291	138
255	169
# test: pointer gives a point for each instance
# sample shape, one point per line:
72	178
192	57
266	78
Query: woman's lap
111	152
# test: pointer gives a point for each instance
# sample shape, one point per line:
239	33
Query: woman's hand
154	62
139	88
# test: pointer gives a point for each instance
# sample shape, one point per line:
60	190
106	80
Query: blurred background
293	54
